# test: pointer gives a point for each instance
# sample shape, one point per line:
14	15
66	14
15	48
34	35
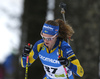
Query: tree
83	16
32	21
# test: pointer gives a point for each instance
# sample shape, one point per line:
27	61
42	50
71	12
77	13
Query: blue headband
50	29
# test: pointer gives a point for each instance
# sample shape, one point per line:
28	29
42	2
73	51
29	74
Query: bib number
50	69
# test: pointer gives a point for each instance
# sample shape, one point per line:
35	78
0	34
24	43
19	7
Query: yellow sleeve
31	59
79	69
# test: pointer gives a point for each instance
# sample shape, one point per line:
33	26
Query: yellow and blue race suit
49	59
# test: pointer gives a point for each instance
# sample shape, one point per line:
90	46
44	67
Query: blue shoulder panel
35	48
67	50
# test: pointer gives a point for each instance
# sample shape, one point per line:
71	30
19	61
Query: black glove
64	61
26	50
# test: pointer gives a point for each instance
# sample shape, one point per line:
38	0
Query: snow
10	22
50	8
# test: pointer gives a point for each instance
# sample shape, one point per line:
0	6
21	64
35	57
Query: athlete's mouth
47	43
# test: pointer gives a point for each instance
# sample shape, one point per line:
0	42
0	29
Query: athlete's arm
33	55
74	66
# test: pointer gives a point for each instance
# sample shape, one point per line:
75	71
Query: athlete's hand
64	61
27	49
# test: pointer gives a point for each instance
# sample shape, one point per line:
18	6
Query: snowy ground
10	13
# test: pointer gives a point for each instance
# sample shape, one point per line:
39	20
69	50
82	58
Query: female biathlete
54	52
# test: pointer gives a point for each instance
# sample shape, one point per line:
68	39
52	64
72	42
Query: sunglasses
48	38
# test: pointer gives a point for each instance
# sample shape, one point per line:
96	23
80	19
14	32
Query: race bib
56	72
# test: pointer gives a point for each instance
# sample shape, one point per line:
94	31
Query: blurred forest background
82	15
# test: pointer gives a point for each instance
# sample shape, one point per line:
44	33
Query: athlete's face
49	40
